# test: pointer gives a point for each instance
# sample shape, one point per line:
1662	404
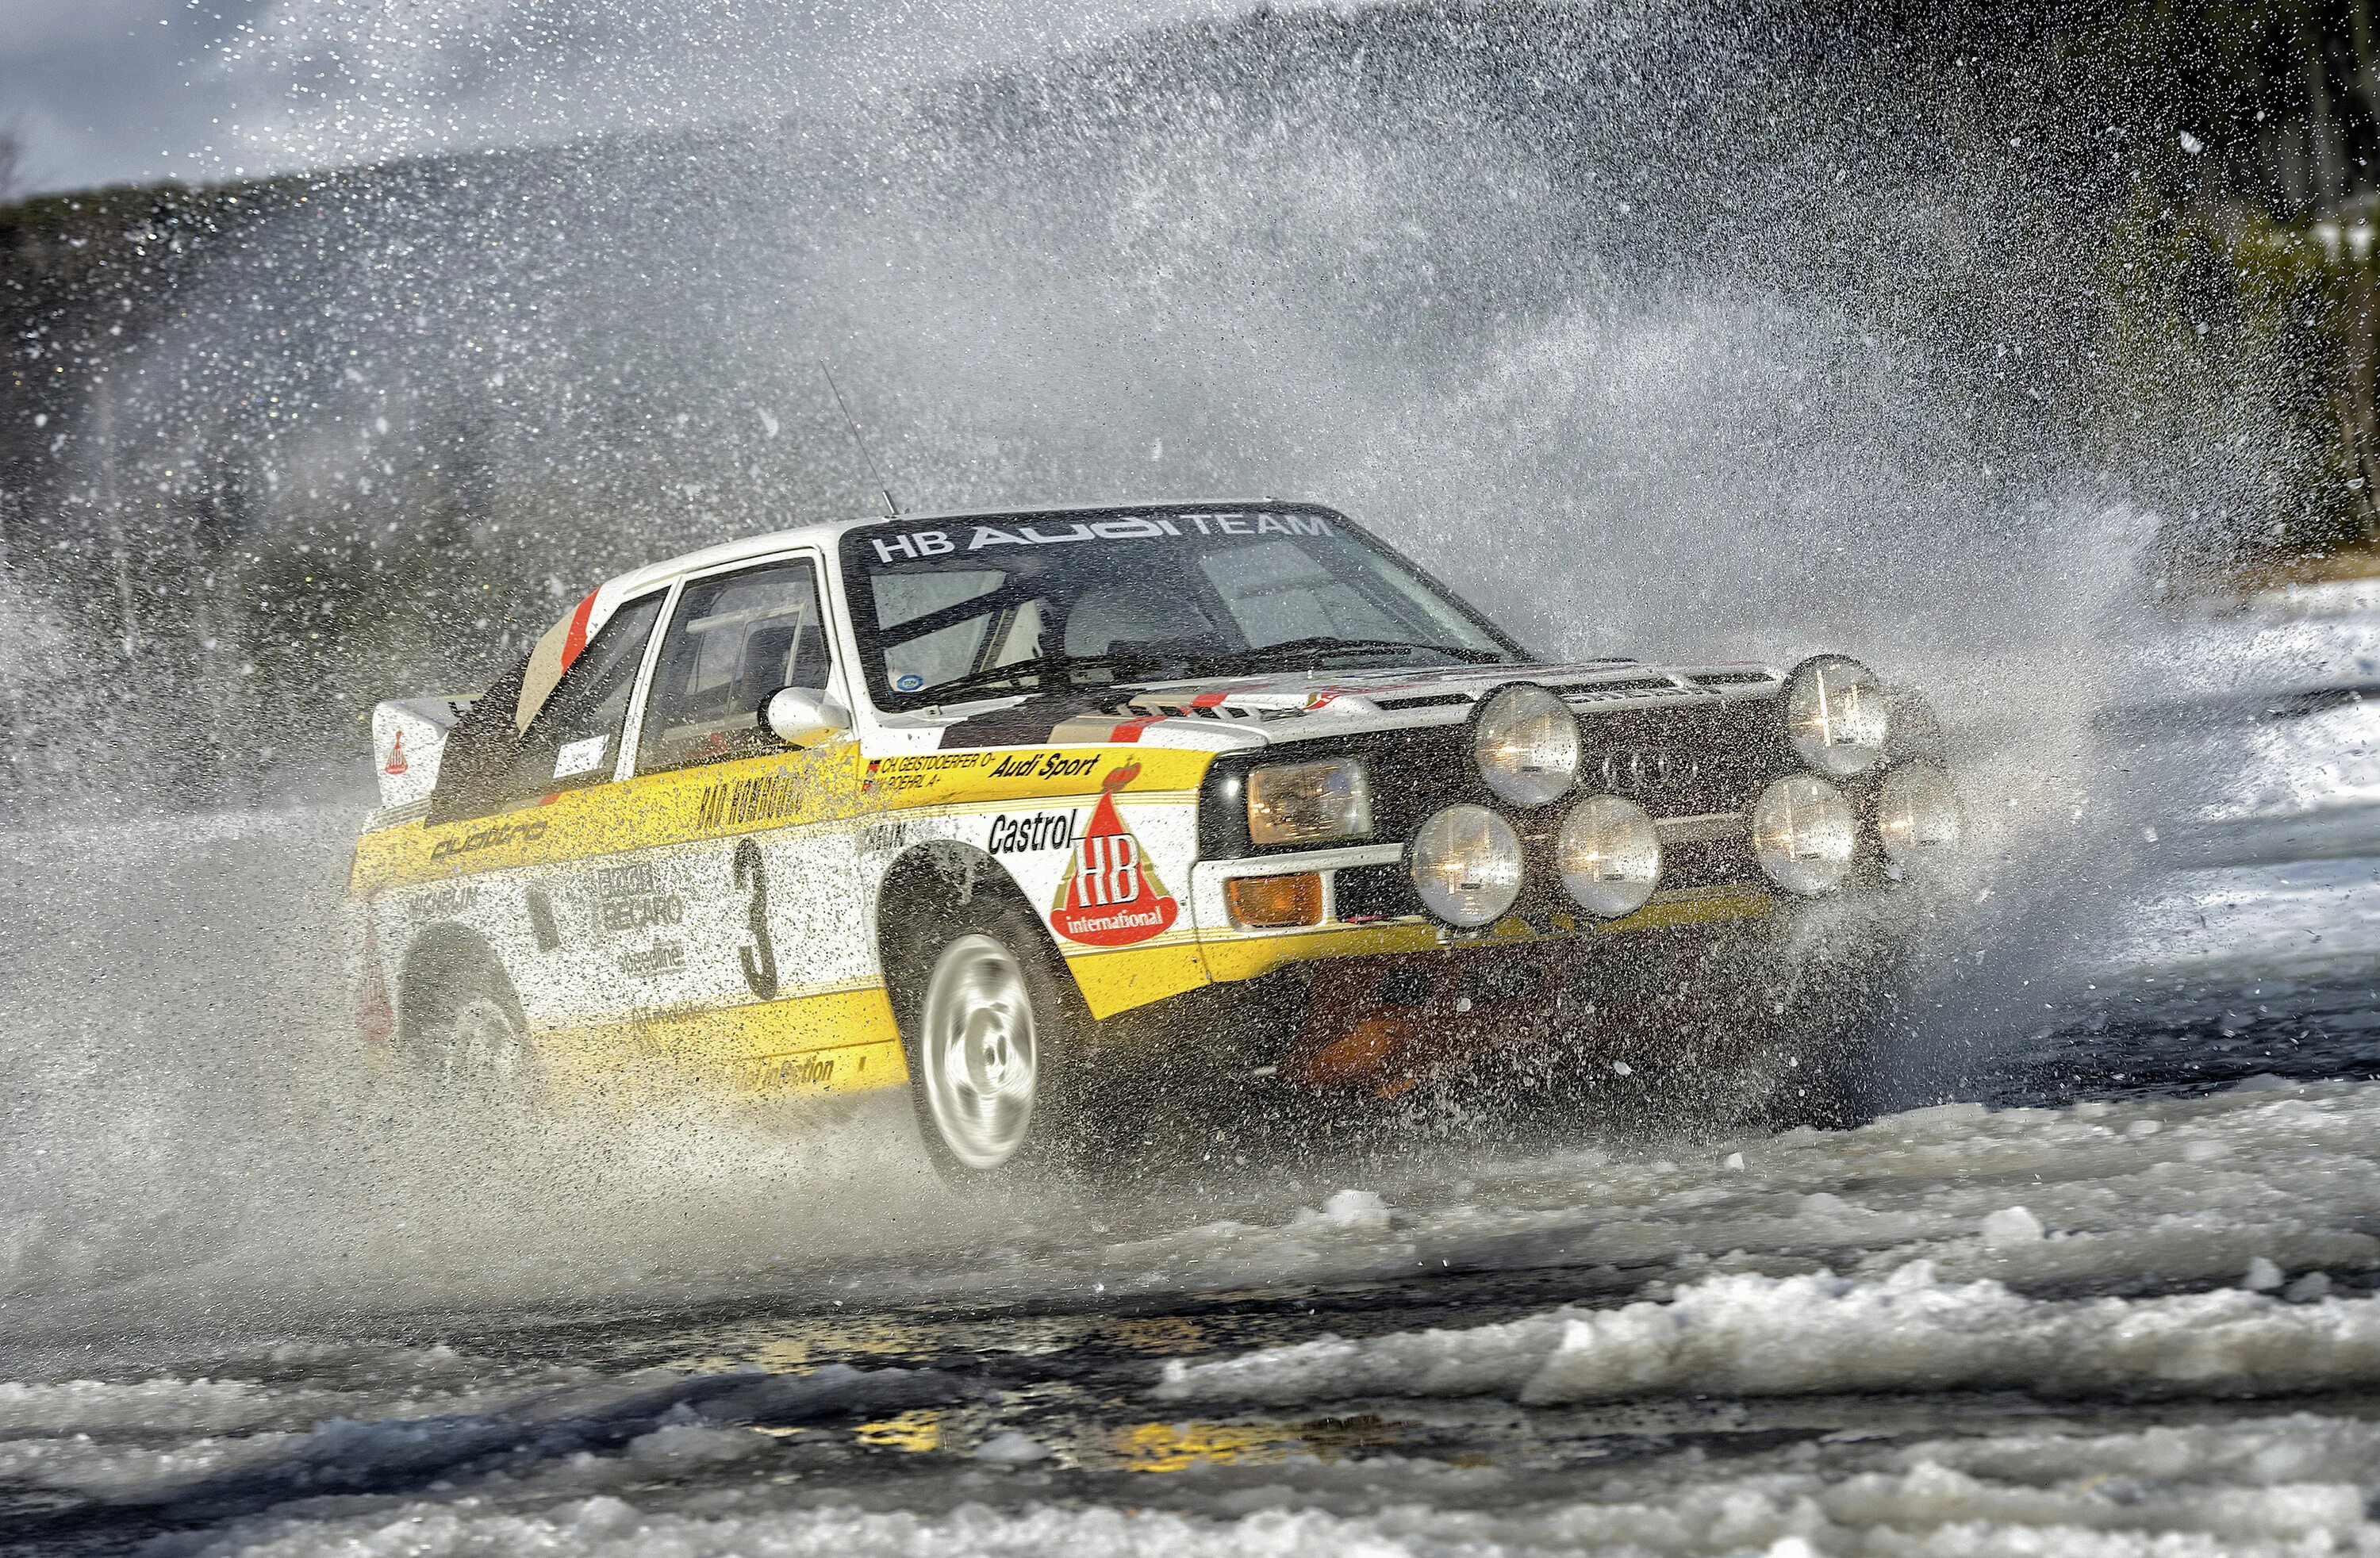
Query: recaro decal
627	899
446	899
1110	896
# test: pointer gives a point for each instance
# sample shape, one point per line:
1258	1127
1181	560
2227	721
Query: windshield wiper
1044	668
1330	646
1065	668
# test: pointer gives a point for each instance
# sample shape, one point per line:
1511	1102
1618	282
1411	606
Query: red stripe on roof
575	640
1208	699
1130	730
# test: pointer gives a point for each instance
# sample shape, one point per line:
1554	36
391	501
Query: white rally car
1046	815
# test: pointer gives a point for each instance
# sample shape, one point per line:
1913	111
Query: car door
536	792
735	933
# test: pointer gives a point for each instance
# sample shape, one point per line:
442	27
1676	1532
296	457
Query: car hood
1224	713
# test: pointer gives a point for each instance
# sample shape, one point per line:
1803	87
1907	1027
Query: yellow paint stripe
1243	958
1119	979
1697	905
780	790
834	1040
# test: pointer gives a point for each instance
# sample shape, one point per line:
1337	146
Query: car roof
823	536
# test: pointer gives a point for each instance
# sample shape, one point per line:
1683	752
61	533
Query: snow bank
1755	1335
2182	1192
155	1405
2115	1497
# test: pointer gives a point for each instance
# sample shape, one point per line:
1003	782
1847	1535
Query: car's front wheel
990	1036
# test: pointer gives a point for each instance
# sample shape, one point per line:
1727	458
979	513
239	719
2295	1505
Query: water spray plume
1650	338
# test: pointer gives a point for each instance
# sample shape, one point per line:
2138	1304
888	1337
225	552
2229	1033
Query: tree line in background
2250	261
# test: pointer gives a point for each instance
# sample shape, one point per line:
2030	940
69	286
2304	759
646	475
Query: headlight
1609	856
1801	829
1918	813
1836	714
1527	744
1309	802
1466	865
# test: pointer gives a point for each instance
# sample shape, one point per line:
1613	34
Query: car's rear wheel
990	1036
463	1030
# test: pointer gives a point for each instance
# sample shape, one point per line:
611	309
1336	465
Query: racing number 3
760	959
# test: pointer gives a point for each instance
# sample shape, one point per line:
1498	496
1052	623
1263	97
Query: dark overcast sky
108	90
102	90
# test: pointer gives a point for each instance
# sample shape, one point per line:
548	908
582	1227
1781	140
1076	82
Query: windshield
949	610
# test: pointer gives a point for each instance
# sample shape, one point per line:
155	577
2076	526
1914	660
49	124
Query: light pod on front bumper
1609	856
1837	715
1917	814
1467	865
1804	834
1526	743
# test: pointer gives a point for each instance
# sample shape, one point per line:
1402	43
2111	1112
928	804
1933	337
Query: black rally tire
994	1035
462	1029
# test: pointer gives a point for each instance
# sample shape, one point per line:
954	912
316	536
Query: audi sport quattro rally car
1025	810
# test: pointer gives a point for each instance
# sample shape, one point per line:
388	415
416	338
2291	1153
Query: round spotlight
1837	715
1917	814
1467	864
1804	832
1527	744
1609	856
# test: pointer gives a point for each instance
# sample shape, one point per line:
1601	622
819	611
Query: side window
575	737
735	640
574	740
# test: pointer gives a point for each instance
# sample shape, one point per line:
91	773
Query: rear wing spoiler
408	738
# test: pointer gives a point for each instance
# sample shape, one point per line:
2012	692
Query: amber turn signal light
1269	902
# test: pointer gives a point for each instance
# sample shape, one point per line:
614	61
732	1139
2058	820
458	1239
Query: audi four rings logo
1648	768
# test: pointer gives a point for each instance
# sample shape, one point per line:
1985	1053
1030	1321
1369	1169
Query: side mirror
801	716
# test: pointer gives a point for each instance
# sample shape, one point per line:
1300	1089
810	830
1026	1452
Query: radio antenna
891	508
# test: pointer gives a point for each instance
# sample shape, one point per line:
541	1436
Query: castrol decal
1110	896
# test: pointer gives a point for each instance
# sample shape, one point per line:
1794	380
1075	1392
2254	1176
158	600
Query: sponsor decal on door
1110	896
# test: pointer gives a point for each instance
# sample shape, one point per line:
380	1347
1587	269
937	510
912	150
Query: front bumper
1710	984
1367	911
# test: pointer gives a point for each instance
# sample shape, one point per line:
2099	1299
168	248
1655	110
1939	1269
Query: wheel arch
924	886
437	956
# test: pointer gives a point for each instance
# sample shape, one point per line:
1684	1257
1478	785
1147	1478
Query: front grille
1721	863
1629	688
1365	893
1424	701
1374	893
1704	762
1678	761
